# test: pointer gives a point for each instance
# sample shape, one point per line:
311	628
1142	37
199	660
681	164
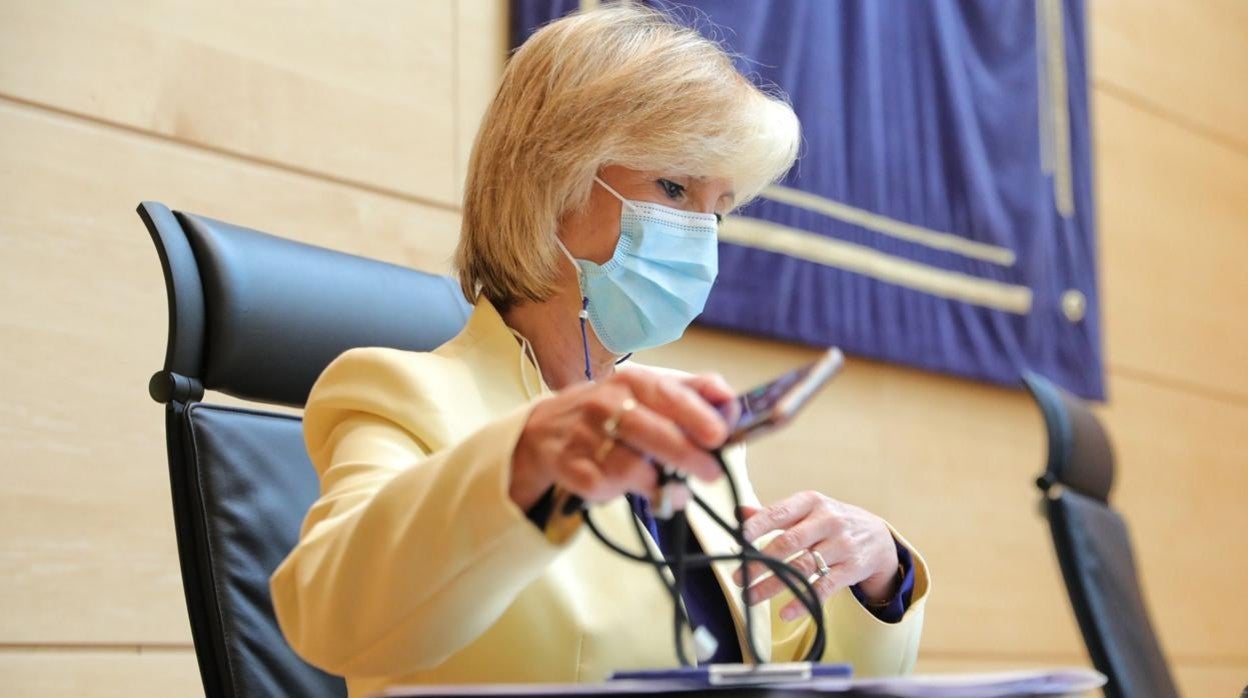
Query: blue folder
740	674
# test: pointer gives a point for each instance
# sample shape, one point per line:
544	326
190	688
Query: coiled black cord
680	561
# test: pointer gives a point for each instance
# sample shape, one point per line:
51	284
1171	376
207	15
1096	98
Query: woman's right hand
673	423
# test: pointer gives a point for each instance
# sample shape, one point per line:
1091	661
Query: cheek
600	237
591	235
605	243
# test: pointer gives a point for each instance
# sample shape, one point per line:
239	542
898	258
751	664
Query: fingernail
789	613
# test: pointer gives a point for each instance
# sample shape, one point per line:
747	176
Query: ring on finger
604	449
611	425
821	565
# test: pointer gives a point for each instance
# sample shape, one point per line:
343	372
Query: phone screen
770	404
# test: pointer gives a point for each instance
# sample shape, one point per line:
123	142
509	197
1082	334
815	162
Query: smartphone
771	405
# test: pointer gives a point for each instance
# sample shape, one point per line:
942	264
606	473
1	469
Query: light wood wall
349	126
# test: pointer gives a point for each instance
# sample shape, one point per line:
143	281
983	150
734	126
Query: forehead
720	187
713	184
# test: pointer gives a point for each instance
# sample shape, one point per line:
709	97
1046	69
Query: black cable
680	534
791	577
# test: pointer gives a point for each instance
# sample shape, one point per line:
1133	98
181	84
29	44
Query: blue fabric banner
941	214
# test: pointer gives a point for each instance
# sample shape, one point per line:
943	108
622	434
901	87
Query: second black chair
1094	548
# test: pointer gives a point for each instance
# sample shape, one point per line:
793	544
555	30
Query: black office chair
1094	549
259	317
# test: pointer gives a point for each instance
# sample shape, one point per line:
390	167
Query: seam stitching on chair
225	632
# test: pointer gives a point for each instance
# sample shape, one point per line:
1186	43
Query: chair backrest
259	317
1094	548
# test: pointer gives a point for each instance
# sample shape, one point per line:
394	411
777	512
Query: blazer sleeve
854	634
408	555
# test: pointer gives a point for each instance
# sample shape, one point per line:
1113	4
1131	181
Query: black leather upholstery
1094	548
1080	455
260	317
278	311
251	470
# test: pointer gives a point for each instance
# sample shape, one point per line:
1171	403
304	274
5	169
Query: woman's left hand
856	545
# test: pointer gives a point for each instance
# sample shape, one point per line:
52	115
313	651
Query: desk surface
1053	682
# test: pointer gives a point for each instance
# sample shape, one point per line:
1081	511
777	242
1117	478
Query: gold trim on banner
1053	26
1044	110
891	227
801	244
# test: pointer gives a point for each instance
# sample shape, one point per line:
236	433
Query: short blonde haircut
617	85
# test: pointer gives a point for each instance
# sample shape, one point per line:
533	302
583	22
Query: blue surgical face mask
657	281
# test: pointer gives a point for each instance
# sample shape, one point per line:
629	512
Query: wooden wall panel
356	94
100	673
1173	238
1188	60
1181	481
87	553
481	41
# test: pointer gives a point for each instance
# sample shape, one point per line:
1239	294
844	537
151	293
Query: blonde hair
617	85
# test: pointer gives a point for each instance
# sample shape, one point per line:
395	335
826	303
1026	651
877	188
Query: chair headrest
259	317
1080	454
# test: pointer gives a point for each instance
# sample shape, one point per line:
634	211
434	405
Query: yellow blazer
414	565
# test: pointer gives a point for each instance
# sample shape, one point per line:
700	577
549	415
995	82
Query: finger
711	387
582	477
627	471
782	514
680	404
771	585
805	535
657	436
836	579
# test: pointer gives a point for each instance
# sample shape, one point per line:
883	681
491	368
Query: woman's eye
671	189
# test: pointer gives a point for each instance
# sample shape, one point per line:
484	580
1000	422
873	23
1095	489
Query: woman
434	555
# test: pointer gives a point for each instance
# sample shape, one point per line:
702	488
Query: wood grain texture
1180	483
90	673
1173	237
363	95
481	41
86	539
1186	59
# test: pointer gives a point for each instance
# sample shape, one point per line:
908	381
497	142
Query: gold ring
604	449
821	568
611	425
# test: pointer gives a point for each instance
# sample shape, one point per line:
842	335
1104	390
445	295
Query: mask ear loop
584	313
615	193
526	352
